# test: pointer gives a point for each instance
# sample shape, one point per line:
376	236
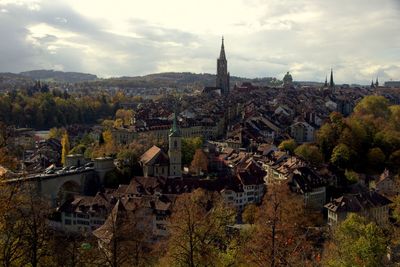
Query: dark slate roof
358	202
306	180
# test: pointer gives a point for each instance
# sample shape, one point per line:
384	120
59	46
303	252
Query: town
228	165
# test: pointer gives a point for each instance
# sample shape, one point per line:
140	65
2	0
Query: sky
359	39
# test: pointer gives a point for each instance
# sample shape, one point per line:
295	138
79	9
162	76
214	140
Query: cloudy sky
359	39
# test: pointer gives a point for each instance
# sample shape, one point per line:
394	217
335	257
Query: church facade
155	162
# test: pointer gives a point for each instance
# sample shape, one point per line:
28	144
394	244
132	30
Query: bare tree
280	235
198	230
124	237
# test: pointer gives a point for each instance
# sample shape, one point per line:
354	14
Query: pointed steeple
372	83
222	53
326	81
174	131
331	83
376	82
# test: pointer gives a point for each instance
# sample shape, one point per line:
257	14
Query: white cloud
263	37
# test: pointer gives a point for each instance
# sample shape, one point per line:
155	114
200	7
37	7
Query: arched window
175	144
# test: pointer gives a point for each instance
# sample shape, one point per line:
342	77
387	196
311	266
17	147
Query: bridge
72	179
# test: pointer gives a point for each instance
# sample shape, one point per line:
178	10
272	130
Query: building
302	132
392	84
175	150
246	187
157	163
310	185
368	203
222	71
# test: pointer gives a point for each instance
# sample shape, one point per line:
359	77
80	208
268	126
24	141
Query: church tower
222	71
174	151
331	83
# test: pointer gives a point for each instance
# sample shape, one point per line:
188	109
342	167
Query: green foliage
376	157
189	146
79	149
356	242
342	156
351	176
367	139
394	160
288	145
45	109
310	153
56	133
376	106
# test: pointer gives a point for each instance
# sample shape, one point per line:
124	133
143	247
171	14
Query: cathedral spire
222	53
376	82
331	83
326	81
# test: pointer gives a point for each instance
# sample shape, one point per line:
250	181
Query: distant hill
58	76
177	80
157	80
13	81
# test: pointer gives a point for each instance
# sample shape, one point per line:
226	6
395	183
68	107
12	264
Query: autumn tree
356	242
280	234
125	237
342	156
199	162
197	231
24	226
288	145
126	115
310	153
65	147
249	214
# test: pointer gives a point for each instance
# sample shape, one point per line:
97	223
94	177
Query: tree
199	162
56	133
376	106
249	214
356	242
197	230
126	115
189	146
288	145
351	176
309	153
342	156
24	227
124	237
279	237
65	147
376	157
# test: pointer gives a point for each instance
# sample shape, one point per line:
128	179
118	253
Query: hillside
58	76
157	80
175	80
13	81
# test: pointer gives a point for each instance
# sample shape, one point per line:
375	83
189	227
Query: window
85	216
161	226
82	222
67	222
